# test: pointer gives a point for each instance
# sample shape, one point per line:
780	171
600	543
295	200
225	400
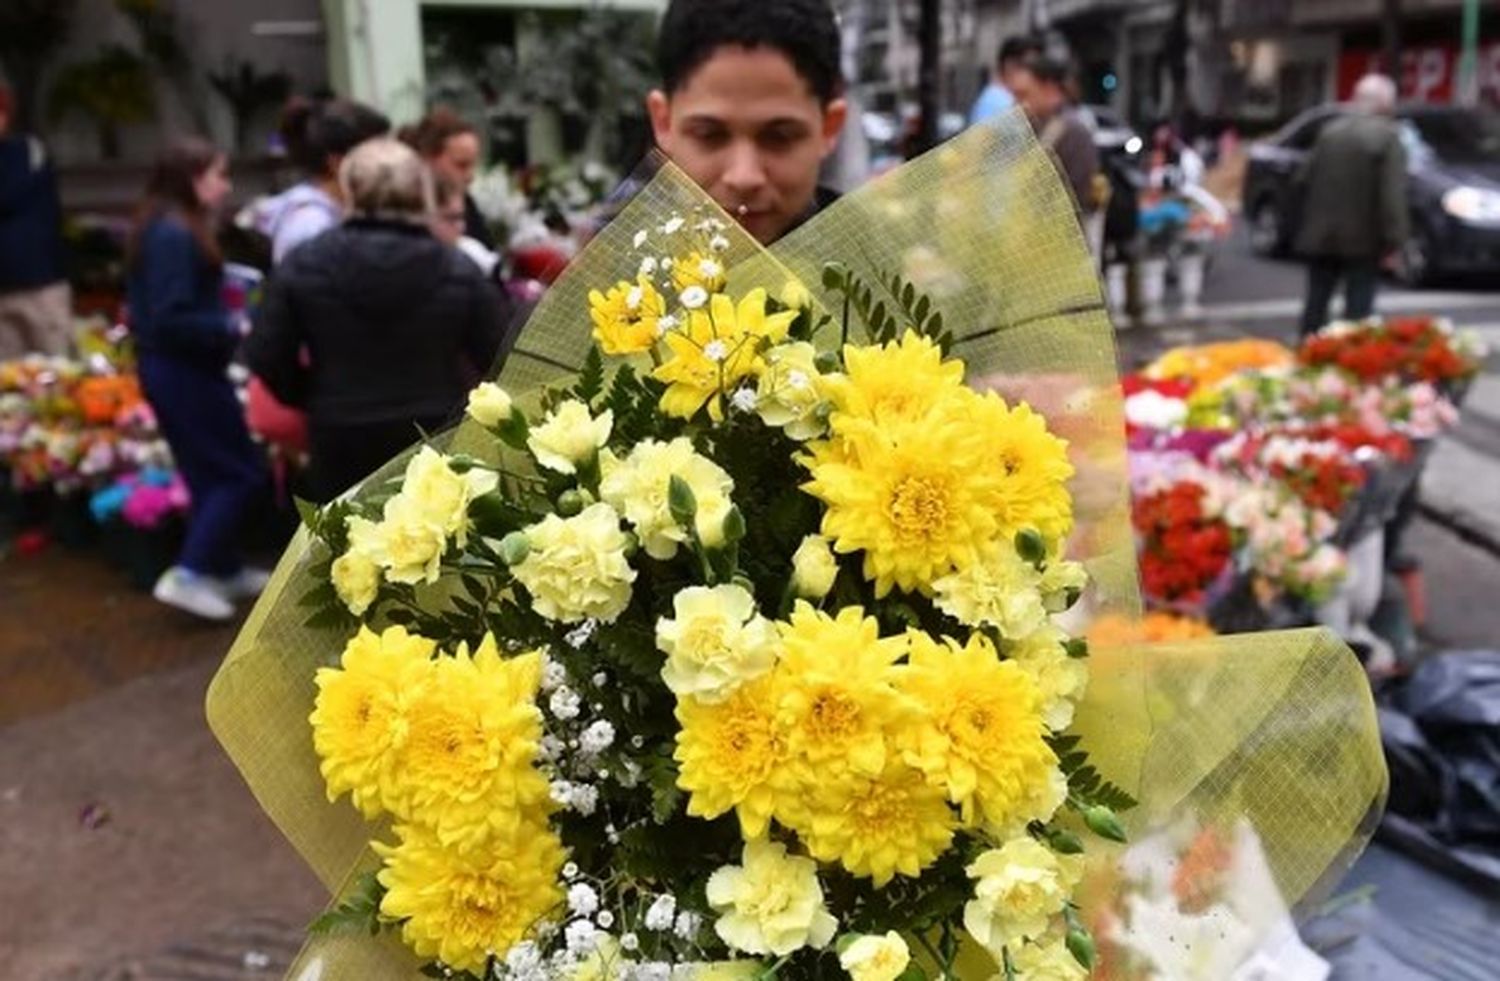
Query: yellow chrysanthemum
460	907
465	768
359	717
914	497
1019	888
983	736
626	317
897	822
1033	467
719	346
697	269
838	695
731	755
900	381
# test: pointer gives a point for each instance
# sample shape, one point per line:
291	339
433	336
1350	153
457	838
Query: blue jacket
176	298
31	246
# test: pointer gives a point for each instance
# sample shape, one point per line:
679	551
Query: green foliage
1086	787
590	382
886	319
358	910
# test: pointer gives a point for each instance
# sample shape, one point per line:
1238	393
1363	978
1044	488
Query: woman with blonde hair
396	324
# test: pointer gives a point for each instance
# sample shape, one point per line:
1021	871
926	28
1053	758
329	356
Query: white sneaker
192	593
246	584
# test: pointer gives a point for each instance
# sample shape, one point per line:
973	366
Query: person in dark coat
185	338
35	303
396	325
1354	215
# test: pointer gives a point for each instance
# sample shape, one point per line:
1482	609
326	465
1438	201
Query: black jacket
176	298
395	325
31	246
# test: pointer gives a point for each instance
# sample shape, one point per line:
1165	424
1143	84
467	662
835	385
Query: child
751	104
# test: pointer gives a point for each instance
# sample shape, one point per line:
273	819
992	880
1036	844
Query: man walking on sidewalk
1353	189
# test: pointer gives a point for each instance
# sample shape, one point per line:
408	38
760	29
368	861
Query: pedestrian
1354	209
396	325
36	306
1042	90
317	135
999	94
185	338
751	104
450	145
1179	220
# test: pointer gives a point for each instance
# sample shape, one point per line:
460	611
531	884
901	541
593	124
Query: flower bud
681	502
1102	822
1081	946
514	548
795	295
569	503
813	568
489	405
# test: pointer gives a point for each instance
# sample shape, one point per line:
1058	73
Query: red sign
1429	72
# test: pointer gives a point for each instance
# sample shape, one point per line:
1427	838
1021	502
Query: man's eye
709	136
779	138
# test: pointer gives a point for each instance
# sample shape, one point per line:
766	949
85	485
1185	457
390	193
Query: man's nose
745	174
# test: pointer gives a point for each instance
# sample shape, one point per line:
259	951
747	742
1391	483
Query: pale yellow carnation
570	437
1059	581
1047	960
407	544
1021	886
772	904
433	492
1060	679
576	568
637	487
1000	589
489	405
787	393
716	642
872	958
356	579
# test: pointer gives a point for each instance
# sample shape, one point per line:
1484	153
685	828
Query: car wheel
1265	229
1416	265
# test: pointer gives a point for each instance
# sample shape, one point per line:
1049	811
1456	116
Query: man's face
1021	82
749	130
1043	100
1013	73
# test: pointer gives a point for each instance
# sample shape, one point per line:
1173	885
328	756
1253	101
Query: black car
1453	156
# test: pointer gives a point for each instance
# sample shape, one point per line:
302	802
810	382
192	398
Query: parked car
1453	156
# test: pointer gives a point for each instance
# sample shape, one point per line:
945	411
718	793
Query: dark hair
315	131
806	31
429	136
170	190
1050	71
1019	49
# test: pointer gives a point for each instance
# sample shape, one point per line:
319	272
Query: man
1353	186
1042	90
999	94
751	104
35	303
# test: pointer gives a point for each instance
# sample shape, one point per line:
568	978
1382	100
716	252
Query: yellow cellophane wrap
1266	738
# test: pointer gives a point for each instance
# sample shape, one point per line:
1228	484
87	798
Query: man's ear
659	109
835	115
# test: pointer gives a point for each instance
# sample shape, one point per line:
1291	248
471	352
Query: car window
1459	136
1304	136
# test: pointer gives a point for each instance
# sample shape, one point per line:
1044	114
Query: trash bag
1441	733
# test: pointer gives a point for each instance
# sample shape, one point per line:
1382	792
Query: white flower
585	799
606	919
659	915
550	748
694	297
565	703
581	937
719	243
630	941
581	634
709	269
600	679
554	675
523	958
640	238
583	900
715	351
570	870
744	399
653	971
688	924
633	298
561	792
665	324
648	266
597	738
673	226
569	437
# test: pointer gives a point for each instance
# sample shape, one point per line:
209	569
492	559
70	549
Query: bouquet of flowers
1206	365
146	499
723	638
1322	473
1409	348
1185	548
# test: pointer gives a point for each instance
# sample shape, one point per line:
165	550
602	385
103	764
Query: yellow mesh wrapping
1269	739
